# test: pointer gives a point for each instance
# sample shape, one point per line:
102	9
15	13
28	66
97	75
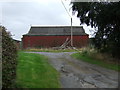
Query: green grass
34	71
50	50
92	60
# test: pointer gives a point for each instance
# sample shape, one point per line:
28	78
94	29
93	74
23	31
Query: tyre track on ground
78	74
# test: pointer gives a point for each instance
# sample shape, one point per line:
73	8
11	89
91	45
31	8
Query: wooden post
71	34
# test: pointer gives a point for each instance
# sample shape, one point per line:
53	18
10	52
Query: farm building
17	43
54	36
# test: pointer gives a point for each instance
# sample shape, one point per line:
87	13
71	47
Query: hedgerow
9	60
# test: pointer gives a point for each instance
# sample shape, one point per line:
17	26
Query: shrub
9	61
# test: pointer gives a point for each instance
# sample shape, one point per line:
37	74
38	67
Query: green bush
9	61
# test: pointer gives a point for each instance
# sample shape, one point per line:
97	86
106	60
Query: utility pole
71	34
71	24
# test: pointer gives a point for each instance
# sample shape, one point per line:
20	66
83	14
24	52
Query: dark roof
16	40
56	30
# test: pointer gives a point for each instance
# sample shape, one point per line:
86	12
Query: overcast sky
18	16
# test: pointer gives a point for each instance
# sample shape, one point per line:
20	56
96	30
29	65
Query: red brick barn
54	36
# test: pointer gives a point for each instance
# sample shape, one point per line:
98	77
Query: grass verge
34	71
92	60
50	50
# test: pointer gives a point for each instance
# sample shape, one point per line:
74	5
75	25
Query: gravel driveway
79	74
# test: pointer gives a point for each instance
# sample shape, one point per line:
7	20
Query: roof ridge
57	26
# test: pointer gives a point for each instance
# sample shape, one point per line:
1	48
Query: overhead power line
65	8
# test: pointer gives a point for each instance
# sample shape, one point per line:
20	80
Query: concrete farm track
78	74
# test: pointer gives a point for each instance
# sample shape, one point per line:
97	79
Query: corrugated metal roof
56	30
